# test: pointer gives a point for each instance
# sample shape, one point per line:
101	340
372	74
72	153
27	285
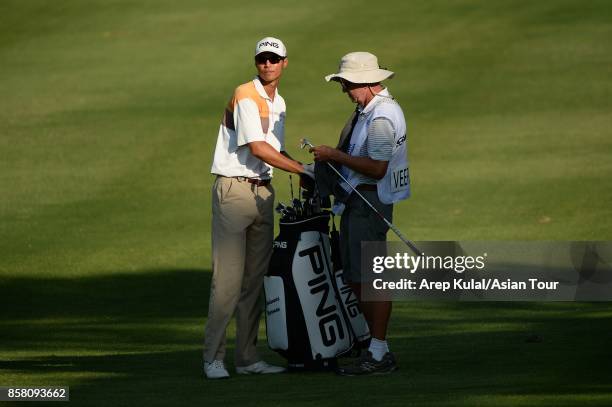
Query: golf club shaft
389	224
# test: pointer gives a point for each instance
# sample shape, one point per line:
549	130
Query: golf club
297	205
399	234
280	207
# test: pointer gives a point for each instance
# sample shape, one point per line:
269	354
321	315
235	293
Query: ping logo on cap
268	43
271	44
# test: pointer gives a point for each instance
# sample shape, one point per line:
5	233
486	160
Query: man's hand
363	165
307	177
309	170
324	153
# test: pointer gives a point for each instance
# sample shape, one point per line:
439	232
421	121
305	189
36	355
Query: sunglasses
274	59
346	85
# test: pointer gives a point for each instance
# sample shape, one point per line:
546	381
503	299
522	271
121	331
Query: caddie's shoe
260	367
367	365
215	370
391	360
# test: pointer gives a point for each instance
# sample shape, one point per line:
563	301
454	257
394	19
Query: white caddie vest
395	185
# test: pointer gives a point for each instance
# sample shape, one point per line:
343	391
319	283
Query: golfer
371	155
250	143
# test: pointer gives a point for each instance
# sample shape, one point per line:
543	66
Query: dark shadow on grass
149	293
134	339
453	369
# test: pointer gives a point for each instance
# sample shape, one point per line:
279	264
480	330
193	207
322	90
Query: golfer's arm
364	165
265	152
286	154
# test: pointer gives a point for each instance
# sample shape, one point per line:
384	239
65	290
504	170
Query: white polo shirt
250	116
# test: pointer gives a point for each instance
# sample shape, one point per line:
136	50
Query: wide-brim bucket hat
360	67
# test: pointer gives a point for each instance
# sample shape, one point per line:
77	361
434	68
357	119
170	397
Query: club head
305	143
280	207
306	194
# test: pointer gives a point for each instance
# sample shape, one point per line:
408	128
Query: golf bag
312	316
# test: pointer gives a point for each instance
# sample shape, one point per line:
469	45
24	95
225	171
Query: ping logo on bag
329	318
350	301
280	245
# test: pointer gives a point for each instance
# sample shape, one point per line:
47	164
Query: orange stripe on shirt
247	91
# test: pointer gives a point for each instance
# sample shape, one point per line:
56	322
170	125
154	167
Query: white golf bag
312	316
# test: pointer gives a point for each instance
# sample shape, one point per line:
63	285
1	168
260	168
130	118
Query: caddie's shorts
360	223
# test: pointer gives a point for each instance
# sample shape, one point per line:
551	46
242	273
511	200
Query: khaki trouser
242	235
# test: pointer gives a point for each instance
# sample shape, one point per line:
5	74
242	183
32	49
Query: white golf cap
360	67
271	44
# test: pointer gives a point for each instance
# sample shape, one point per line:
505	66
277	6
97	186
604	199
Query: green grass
108	117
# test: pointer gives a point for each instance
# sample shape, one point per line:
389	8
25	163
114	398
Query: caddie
372	156
251	142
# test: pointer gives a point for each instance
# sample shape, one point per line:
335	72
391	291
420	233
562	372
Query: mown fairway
109	113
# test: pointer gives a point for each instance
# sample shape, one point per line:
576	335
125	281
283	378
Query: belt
259	182
255	181
366	187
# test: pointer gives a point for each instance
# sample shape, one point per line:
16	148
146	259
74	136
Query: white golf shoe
260	367
215	370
